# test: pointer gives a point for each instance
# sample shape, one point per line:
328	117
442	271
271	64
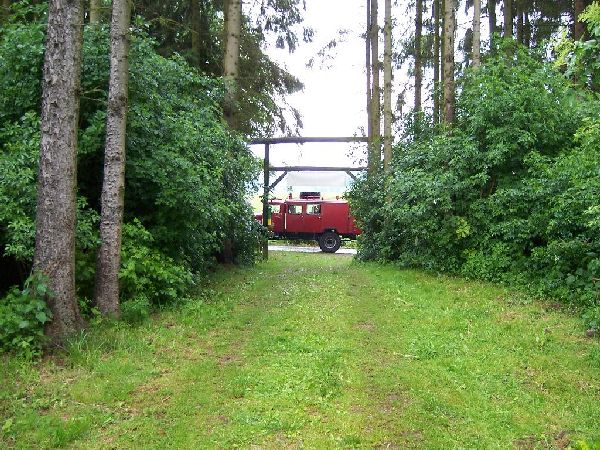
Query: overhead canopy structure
267	168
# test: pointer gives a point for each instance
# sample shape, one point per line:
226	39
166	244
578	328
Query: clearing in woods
317	351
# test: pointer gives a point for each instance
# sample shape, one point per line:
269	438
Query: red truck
312	218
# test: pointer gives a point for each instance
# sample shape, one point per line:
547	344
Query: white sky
333	100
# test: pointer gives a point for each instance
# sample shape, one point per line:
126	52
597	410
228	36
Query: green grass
317	351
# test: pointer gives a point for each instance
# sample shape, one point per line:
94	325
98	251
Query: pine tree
373	158
436	61
4	10
387	87
508	19
418	55
56	204
477	33
578	27
375	73
492	22
95	10
233	30
449	94
113	187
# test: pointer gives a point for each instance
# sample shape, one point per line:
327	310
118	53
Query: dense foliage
509	194
194	29
187	174
581	59
23	315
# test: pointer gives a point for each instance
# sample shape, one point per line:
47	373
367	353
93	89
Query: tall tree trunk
436	62
373	159
233	30
477	33
526	29
387	87
578	26
4	10
195	28
56	203
418	56
491	5
106	293
232	57
449	26
520	23
508	19
205	36
442	58
95	10
375	72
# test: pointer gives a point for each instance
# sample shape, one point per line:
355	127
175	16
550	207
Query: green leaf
41	316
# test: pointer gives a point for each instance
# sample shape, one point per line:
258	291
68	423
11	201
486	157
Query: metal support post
265	218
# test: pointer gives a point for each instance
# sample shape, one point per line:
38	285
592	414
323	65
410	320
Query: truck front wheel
330	242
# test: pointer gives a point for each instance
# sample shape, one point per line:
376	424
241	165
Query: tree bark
526	29
491	5
375	72
442	57
95	11
4	10
520	23
387	88
56	203
418	56
578	26
106	292
233	30
477	33
449	27
436	62
195	28
508	19
232	57
373	161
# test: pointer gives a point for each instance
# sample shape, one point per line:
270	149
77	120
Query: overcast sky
333	100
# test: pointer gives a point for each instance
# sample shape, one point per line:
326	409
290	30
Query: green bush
509	194
23	315
147	276
591	319
187	174
136	310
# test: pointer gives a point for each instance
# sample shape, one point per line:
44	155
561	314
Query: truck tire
330	242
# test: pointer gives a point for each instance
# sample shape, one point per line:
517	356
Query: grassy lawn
317	351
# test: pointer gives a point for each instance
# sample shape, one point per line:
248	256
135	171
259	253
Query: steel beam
316	169
306	140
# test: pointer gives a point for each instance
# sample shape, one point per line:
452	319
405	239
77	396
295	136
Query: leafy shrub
136	310
509	194
23	315
147	276
187	175
580	58
591	319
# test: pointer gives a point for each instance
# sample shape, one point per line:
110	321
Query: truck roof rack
310	195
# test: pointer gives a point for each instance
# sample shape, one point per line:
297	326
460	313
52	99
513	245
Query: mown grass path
317	351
